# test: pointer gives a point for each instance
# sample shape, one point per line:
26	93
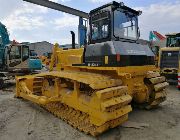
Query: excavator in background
155	35
92	87
14	58
157	41
169	58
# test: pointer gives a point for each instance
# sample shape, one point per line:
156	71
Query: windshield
173	42
15	52
125	25
100	26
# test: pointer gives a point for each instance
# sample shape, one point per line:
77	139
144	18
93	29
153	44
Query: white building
41	47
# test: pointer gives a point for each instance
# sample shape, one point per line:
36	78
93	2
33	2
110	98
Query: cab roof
116	5
173	34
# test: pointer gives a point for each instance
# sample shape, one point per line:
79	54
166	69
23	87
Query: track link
157	92
81	120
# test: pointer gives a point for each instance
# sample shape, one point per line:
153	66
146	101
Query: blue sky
30	23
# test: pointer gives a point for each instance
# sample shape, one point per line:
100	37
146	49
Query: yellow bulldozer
169	58
93	87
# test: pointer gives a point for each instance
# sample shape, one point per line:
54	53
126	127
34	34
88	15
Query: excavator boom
59	7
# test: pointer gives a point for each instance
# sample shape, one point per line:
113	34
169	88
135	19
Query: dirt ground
23	120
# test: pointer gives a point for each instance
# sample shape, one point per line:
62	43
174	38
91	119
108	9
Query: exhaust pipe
73	40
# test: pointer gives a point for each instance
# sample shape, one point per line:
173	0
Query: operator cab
113	38
113	21
173	40
17	53
170	56
18	58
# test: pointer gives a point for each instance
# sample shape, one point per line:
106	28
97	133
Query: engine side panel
119	54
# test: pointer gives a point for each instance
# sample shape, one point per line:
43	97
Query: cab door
25	53
25	58
15	55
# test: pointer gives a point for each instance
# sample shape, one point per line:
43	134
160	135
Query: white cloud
66	21
162	17
100	1
25	18
29	22
14	23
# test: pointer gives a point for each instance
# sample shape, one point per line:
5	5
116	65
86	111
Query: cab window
100	26
15	52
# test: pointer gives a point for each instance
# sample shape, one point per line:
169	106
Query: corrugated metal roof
173	34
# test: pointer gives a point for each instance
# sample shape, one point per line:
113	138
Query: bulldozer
94	87
169	60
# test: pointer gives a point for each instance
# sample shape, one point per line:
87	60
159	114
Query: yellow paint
165	70
106	59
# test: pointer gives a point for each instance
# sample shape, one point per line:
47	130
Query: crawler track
91	103
80	120
98	104
156	85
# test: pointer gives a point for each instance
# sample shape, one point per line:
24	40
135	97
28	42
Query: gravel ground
23	120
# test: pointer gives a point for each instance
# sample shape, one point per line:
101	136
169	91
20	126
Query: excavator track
157	89
81	120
